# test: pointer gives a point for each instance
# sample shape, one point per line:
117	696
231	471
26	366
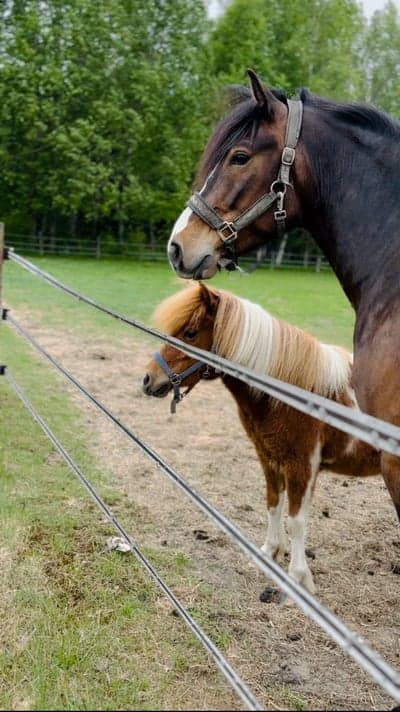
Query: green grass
311	300
81	628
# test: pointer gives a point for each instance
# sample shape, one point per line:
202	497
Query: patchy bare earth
284	657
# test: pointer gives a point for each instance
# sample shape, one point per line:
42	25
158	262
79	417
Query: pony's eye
190	333
240	158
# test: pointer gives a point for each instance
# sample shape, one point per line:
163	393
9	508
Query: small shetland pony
292	447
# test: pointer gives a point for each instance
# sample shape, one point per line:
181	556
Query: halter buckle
227	232
280	215
175	379
206	374
288	156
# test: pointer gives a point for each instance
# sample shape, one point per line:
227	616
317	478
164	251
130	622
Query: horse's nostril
174	253
146	382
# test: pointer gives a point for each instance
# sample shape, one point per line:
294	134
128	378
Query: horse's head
188	316
246	195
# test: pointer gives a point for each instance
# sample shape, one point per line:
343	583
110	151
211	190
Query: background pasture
311	300
85	628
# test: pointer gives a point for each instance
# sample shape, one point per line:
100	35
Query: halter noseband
176	379
228	230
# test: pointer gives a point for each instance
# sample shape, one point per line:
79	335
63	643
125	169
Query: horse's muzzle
201	270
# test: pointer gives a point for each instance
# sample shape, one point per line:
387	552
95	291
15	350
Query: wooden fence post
2	253
1	266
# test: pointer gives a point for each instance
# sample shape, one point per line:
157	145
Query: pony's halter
228	230
176	379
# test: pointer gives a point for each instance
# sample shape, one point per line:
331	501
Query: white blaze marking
184	217
181	222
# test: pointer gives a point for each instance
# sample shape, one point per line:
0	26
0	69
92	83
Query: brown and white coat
291	446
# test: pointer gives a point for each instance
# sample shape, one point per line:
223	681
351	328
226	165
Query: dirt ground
353	531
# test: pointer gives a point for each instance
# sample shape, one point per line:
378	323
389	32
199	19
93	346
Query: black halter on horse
176	379
228	230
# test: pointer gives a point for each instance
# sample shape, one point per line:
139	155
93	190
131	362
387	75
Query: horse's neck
351	205
251	403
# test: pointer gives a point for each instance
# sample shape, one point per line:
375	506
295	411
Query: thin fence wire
353	645
375	432
223	665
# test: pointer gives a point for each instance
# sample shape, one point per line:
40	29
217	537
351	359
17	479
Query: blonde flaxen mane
174	312
249	335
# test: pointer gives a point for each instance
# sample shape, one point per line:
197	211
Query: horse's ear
263	96
209	298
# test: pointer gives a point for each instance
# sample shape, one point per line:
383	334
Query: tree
312	43
382	59
102	111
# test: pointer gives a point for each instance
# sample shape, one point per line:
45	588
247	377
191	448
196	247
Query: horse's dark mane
244	117
359	115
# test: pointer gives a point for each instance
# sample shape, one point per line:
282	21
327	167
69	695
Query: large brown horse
334	169
292	447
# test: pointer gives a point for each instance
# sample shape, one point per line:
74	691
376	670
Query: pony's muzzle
158	391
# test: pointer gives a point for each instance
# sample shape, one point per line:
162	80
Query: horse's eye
190	333
239	158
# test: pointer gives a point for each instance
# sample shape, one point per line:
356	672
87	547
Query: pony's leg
300	486
276	542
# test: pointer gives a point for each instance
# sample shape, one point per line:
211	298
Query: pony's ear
263	96
209	298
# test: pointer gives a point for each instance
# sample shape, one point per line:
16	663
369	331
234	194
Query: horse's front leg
300	480
390	466
276	542
376	380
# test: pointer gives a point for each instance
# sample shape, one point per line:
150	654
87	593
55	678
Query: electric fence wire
352	644
223	665
378	433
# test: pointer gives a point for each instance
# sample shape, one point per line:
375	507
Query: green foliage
105	106
382	50
100	108
310	43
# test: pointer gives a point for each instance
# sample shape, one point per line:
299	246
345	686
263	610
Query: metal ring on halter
227	232
279	186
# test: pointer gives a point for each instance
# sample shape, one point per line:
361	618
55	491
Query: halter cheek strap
176	379
228	230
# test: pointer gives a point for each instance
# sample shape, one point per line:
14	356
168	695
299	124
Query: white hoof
304	577
277	550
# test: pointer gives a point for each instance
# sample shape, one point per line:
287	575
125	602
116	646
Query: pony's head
248	157
189	316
